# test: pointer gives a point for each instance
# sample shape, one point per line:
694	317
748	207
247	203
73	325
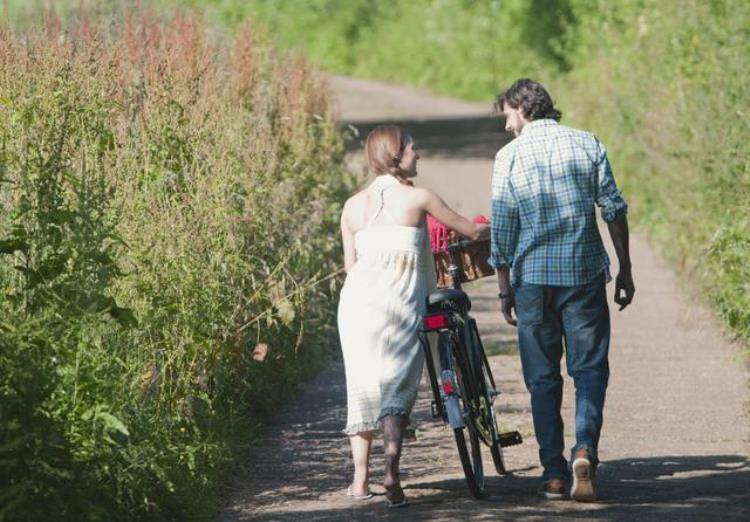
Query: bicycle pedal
435	410
509	438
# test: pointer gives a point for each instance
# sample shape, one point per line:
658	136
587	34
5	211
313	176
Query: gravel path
676	437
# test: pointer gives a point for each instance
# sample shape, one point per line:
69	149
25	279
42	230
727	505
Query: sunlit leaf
286	311
112	423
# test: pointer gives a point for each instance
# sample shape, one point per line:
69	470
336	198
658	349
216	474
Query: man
545	186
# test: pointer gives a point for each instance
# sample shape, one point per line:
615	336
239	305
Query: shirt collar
544	122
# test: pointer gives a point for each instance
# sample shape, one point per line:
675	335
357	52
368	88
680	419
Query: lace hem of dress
361	427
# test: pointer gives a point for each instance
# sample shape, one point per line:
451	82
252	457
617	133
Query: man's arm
507	297
624	286
614	213
505	227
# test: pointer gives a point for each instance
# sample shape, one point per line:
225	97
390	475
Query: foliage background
168	237
664	83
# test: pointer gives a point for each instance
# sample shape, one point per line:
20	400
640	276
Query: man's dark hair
531	98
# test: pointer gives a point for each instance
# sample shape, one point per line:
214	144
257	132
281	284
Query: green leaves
124	316
146	214
10	246
109	423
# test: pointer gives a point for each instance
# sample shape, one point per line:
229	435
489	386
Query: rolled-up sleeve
505	219
608	196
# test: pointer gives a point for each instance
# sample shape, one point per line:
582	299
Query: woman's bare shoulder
353	207
355	200
420	194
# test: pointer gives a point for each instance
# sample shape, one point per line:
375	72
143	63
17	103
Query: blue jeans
547	315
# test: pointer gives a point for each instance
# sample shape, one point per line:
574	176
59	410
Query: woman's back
385	202
381	304
385	218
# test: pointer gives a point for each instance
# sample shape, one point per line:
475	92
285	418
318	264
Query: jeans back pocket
529	304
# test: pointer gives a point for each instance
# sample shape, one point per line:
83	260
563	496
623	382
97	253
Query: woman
390	271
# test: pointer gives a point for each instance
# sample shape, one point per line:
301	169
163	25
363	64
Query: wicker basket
473	255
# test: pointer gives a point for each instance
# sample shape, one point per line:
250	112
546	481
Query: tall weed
167	257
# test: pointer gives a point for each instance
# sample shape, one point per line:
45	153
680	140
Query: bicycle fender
453	410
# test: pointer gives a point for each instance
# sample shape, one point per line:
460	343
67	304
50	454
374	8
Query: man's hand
508	302
508	306
624	288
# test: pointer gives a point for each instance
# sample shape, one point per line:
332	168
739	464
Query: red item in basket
440	235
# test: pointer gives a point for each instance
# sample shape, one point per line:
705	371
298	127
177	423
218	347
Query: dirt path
675	441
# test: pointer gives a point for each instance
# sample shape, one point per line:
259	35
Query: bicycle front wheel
487	420
496	450
487	393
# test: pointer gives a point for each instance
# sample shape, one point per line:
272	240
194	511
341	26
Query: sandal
366	496
394	505
553	489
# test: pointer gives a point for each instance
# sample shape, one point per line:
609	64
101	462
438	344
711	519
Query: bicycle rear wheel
471	457
471	461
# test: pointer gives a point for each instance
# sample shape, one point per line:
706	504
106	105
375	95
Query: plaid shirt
544	188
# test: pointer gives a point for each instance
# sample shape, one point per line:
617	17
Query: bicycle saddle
448	296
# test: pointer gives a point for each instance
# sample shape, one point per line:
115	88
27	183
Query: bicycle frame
454	268
462	384
446	402
443	386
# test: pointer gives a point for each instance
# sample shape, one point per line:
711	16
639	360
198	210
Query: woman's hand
484	231
437	208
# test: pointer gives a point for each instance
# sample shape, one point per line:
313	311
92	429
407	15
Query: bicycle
465	391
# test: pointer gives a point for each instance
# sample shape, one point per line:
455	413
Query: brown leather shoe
553	489
584	488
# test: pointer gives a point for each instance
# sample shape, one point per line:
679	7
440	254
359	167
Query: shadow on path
292	479
652	489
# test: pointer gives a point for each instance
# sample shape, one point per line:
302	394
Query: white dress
379	315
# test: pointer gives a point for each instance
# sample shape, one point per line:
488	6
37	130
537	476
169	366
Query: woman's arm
437	208
347	238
